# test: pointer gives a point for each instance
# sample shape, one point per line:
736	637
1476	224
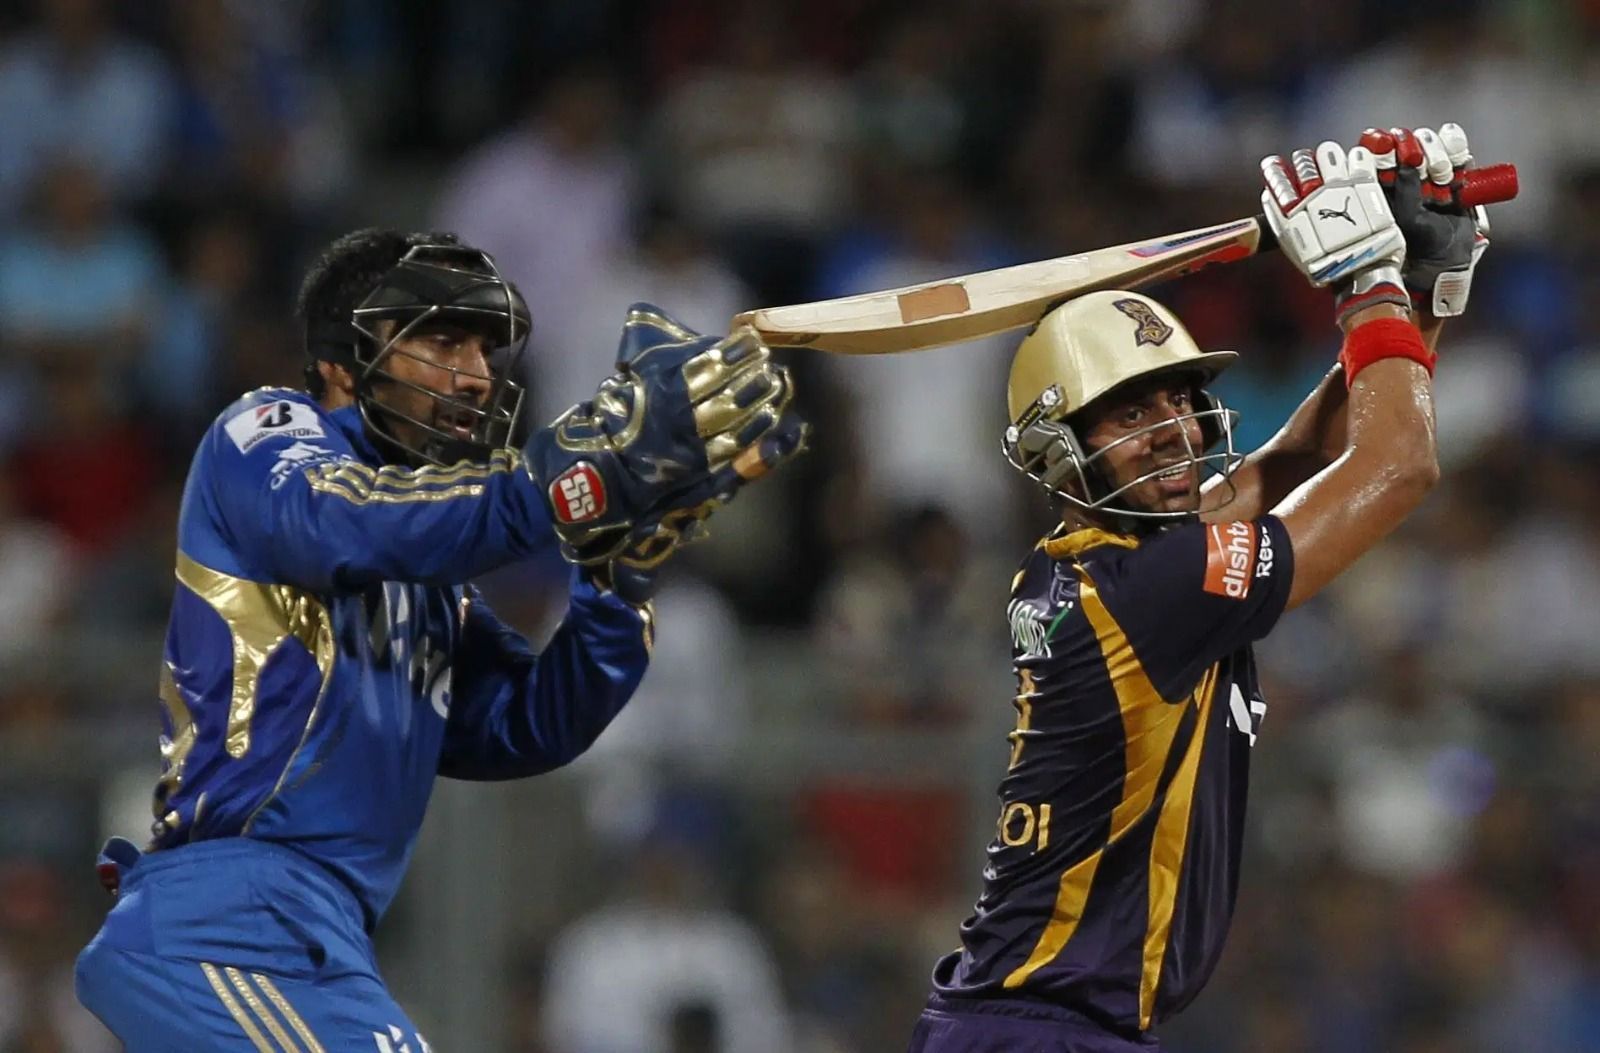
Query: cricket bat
970	306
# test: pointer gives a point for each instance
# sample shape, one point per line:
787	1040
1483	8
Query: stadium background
771	848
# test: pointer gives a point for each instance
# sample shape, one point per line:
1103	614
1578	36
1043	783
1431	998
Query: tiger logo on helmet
1080	353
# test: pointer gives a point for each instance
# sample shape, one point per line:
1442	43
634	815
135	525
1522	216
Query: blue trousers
951	1025
241	945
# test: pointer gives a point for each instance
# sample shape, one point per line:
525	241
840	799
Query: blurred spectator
75	87
91	473
38	1011
691	711
665	962
79	282
666	262
37	579
248	117
184	373
1476	75
911	115
1229	95
913	630
925	427
749	148
550	200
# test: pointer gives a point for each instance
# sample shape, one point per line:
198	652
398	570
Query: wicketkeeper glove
685	422
1421	173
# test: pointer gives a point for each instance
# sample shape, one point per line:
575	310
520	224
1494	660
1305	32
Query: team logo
1029	633
578	494
1230	555
300	455
1152	330
282	419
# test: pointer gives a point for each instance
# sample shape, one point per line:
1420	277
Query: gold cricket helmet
1085	350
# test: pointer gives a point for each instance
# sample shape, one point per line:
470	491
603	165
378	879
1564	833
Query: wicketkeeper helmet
433	282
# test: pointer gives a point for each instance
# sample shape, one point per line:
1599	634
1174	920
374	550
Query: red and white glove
1333	222
1421	173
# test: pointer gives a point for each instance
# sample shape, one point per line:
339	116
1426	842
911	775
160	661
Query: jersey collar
1059	545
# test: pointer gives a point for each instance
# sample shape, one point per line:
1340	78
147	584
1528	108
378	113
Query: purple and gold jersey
1112	877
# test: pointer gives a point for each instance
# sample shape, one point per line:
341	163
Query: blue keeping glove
683	424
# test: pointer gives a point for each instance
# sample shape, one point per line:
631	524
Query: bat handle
1485	186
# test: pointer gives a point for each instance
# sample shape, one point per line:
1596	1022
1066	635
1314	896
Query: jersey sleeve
301	509
1194	594
514	713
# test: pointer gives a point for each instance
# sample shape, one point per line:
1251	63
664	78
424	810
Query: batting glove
1334	224
1421	175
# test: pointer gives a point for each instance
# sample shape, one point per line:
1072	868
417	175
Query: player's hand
685	422
1421	172
1329	213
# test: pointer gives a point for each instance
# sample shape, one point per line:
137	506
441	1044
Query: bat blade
976	305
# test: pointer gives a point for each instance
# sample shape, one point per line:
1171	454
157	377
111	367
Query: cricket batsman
1113	874
325	659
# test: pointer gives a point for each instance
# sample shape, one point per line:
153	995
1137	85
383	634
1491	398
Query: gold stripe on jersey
1071	895
362	484
359	495
400	477
231	1004
1149	724
260	617
259	1008
175	750
276	997
1149	727
1166	853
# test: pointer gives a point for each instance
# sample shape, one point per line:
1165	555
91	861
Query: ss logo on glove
577	495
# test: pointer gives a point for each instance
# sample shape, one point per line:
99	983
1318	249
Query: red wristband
1383	338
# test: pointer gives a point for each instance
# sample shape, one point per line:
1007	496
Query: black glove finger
723	364
729	409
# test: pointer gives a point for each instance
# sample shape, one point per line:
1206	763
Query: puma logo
1330	213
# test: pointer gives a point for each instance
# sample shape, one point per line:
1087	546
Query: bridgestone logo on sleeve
577	495
274	420
1230	558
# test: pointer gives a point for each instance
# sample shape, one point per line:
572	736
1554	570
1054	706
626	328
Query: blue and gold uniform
1112	877
323	663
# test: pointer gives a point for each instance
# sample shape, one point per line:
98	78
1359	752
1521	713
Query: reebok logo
578	495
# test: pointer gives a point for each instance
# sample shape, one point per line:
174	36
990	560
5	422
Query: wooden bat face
977	305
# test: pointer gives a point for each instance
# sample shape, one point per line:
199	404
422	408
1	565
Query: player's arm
1388	462
1312	438
515	713
303	510
1414	171
621	478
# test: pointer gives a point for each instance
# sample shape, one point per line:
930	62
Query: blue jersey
324	660
1115	865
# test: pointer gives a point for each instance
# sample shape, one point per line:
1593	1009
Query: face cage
494	421
1048	452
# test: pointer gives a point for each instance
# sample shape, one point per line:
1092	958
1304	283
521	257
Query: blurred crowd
785	829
